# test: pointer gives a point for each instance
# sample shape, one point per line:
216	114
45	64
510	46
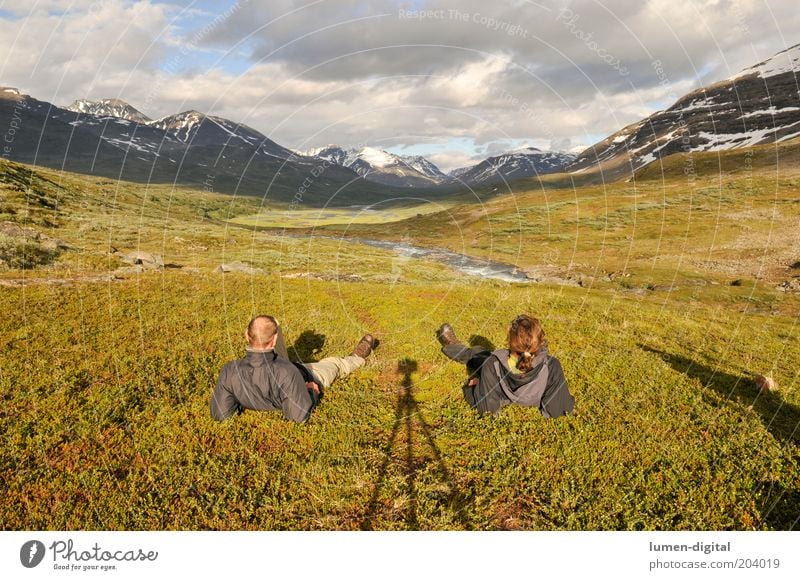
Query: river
461	262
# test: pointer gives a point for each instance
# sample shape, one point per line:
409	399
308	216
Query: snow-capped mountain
189	127
457	173
197	129
108	108
516	164
759	105
381	166
332	153
424	166
187	149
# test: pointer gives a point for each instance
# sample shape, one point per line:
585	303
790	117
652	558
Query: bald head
261	331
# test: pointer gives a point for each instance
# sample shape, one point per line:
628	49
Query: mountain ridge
514	164
758	105
382	166
215	154
108	108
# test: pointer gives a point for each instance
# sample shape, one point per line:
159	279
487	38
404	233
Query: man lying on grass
524	373
265	379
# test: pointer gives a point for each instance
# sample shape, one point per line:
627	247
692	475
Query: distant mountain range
417	171
518	164
110	138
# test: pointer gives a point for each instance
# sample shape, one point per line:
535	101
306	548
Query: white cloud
447	161
58	57
470	84
343	71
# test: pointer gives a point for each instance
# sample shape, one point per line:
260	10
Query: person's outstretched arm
293	394
223	403
557	400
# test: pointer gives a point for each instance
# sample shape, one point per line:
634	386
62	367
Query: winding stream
467	264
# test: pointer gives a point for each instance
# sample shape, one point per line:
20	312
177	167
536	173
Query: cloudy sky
456	81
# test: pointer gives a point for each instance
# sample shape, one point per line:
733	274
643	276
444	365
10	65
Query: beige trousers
331	368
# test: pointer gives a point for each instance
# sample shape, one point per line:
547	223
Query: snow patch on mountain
757	106
381	166
424	166
515	164
183	125
198	129
377	158
770	111
108	108
783	62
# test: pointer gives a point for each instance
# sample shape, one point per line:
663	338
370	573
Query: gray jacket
262	381
543	387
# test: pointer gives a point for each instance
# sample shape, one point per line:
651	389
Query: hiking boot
445	335
364	346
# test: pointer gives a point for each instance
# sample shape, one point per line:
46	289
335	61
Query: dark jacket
263	381
543	387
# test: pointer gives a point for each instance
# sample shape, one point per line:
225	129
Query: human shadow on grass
780	509
307	347
482	341
782	419
407	412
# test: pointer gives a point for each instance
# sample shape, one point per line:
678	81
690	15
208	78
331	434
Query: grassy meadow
734	217
277	217
106	373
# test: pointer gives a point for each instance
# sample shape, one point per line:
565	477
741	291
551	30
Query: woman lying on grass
524	373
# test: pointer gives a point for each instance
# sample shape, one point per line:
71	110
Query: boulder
792	285
146	260
13	230
238	267
765	384
54	244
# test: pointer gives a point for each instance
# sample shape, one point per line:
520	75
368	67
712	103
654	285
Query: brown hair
525	337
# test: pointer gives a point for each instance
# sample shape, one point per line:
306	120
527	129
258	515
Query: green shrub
25	253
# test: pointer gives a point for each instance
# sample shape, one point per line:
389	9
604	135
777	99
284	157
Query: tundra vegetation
663	297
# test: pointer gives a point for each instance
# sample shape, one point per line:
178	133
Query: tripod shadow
407	413
780	508
307	347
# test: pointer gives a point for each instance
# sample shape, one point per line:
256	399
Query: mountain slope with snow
381	166
187	149
108	108
517	164
196	129
759	105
